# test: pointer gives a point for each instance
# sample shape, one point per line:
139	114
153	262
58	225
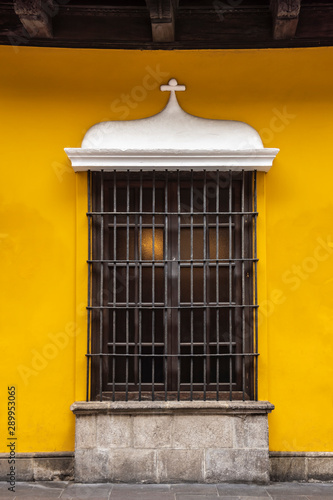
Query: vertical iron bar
127	280
89	282
243	281
153	294
217	271
101	291
136	286
255	290
178	301
192	340
114	358
166	288
230	286
205	284
140	287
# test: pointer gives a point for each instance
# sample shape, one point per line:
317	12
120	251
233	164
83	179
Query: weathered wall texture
48	99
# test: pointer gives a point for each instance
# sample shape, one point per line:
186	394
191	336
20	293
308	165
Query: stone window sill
172	407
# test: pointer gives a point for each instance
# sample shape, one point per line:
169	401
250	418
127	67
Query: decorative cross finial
172	86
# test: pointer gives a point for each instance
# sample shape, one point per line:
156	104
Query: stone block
92	466
288	469
85	432
230	465
24	469
320	468
250	431
202	431
114	431
49	469
152	431
180	465
133	465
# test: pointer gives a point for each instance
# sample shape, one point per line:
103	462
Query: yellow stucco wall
48	99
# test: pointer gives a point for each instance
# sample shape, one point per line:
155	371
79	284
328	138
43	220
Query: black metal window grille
172	285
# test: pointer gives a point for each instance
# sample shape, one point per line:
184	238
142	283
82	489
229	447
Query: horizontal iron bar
182	306
136	344
161	344
172	213
147	262
182	355
161	385
149	225
196	264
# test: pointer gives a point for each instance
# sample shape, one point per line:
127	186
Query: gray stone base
304	466
39	466
285	466
168	442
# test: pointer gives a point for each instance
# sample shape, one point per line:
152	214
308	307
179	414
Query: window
172	285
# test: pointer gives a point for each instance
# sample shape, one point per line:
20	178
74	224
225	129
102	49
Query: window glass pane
197	292
221	329
185	243
197	362
121	243
218	284
147	365
221	250
146	284
223	365
159	205
191	327
147	244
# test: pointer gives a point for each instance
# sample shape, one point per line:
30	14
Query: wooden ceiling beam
162	16
36	17
285	18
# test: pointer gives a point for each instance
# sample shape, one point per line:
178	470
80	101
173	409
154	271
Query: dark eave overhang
167	24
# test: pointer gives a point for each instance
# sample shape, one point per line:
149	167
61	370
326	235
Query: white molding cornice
104	159
172	139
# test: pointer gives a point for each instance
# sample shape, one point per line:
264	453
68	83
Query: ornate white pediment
172	139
